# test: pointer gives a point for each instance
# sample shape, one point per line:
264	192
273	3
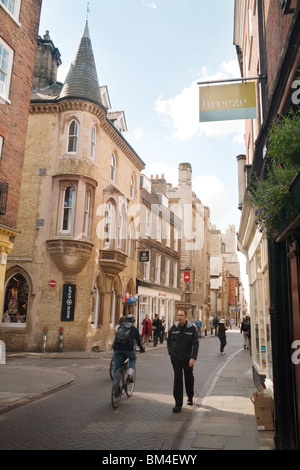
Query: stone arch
17	296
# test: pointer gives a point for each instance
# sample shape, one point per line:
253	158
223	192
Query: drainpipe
262	60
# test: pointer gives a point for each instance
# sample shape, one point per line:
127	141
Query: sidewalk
222	419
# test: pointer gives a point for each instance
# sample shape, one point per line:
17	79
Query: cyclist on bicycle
127	348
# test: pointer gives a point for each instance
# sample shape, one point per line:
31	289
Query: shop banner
68	302
227	102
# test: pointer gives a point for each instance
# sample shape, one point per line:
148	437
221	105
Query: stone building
159	248
19	22
224	274
195	243
267	38
72	263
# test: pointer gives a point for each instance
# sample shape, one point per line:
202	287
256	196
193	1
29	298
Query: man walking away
245	329
183	345
222	335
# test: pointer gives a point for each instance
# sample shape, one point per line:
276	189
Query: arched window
67	210
72	137
122	230
93	143
16	301
113	168
132	187
110	226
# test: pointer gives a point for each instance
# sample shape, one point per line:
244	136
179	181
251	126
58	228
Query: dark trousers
223	343
180	368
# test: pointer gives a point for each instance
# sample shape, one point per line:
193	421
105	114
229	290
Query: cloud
150	5
181	113
138	133
209	189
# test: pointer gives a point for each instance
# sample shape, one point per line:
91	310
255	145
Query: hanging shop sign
68	302
227	102
144	256
187	276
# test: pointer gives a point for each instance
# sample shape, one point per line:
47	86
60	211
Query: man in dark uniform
183	345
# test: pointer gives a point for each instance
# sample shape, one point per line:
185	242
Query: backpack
123	334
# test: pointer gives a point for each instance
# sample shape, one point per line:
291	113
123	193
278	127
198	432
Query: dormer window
72	137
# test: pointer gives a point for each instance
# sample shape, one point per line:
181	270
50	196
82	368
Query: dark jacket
183	341
134	337
222	331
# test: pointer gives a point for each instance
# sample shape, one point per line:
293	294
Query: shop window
16	301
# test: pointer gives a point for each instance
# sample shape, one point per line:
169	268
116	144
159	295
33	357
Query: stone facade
80	179
195	243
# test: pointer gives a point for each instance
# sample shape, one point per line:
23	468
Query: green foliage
271	197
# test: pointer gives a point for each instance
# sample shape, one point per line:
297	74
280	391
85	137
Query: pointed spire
82	80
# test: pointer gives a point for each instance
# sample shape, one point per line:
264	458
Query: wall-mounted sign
68	302
187	276
52	283
227	102
144	256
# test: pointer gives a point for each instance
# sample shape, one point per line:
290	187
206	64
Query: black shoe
190	402
176	409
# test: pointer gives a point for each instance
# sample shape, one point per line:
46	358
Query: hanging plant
271	198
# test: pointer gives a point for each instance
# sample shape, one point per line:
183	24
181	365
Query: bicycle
121	385
111	368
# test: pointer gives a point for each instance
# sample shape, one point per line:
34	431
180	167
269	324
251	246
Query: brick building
72	263
224	274
19	22
267	38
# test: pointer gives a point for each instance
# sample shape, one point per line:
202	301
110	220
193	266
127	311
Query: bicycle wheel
111	368
129	387
116	390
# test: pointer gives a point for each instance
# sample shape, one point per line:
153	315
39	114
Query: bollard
211	331
61	339
205	332
2	353
44	340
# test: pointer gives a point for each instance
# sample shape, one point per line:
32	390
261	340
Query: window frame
73	136
113	167
157	268
15	14
87	213
7	74
132	187
63	208
93	143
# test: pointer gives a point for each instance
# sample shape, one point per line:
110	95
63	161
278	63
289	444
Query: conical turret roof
82	80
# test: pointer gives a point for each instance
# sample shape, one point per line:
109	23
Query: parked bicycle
121	385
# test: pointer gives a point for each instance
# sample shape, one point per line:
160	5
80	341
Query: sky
151	54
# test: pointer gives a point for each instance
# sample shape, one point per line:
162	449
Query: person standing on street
222	335
156	329
147	329
245	329
183	345
162	330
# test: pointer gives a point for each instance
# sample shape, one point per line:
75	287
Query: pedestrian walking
215	324
162	329
222	335
199	326
246	329
183	345
147	329
156	329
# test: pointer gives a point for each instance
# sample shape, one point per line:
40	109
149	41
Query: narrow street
80	416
